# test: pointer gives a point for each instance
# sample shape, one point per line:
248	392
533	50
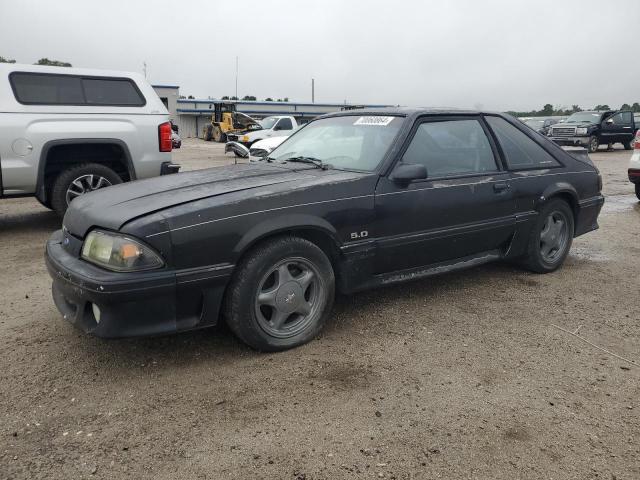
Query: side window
519	150
451	148
60	89
621	118
285	124
35	88
100	91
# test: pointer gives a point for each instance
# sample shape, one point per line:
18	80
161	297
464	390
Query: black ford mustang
351	201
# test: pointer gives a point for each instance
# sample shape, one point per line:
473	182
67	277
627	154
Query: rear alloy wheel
551	237
78	180
594	143
281	294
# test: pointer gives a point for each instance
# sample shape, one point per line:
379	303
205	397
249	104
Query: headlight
245	138
119	253
581	131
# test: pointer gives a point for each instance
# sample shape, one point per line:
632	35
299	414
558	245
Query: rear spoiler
581	154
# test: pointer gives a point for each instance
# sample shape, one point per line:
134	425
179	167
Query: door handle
499	187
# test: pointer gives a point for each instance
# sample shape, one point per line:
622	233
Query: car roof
410	112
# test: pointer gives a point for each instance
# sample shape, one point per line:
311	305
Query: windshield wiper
309	160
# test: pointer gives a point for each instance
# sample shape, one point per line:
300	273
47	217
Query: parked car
354	200
176	141
258	150
592	129
540	125
275	126
68	131
634	165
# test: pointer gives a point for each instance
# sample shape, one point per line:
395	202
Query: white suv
68	131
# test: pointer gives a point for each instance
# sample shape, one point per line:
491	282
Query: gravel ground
459	376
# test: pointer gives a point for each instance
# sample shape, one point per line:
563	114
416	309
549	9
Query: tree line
42	61
548	110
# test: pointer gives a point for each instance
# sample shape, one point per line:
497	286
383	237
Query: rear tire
77	180
638	190
628	145
551	237
280	295
594	143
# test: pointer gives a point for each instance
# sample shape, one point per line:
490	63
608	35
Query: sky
488	54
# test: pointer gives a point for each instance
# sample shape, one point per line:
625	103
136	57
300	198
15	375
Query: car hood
113	207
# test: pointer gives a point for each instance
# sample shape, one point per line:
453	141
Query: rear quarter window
59	89
520	151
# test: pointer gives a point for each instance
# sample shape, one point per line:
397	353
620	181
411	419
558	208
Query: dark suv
592	129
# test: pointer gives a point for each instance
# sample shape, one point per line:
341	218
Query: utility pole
236	77
313	90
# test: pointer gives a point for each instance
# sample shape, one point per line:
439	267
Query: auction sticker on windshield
374	120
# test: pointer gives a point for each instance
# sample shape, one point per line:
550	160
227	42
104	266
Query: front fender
282	224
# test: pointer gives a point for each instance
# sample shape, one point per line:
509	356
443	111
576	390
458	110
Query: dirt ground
459	376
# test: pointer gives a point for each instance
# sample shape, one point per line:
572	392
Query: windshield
268	122
580	117
347	142
535	123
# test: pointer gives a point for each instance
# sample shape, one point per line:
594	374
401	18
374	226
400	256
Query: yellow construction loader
225	120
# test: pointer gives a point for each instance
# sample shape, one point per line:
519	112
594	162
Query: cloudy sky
493	54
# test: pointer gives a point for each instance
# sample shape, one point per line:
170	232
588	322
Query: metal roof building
192	115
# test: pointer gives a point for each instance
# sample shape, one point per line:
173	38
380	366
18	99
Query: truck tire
281	294
628	145
638	191
77	180
218	135
594	143
208	133
550	238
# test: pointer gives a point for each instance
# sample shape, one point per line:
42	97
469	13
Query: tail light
164	137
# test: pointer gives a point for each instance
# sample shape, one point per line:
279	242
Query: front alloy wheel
594	143
288	297
281	294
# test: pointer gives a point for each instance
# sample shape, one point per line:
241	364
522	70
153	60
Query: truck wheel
281	294
550	238
208	133
628	145
594	143
638	190
218	135
78	180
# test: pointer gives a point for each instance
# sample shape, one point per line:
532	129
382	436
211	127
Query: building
192	115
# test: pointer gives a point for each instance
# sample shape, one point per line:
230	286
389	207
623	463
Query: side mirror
237	148
406	172
277	127
609	121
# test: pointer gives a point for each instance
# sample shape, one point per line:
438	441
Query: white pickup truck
68	131
275	126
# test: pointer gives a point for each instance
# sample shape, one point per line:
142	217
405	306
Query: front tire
551	237
218	135
594	143
281	294
78	180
